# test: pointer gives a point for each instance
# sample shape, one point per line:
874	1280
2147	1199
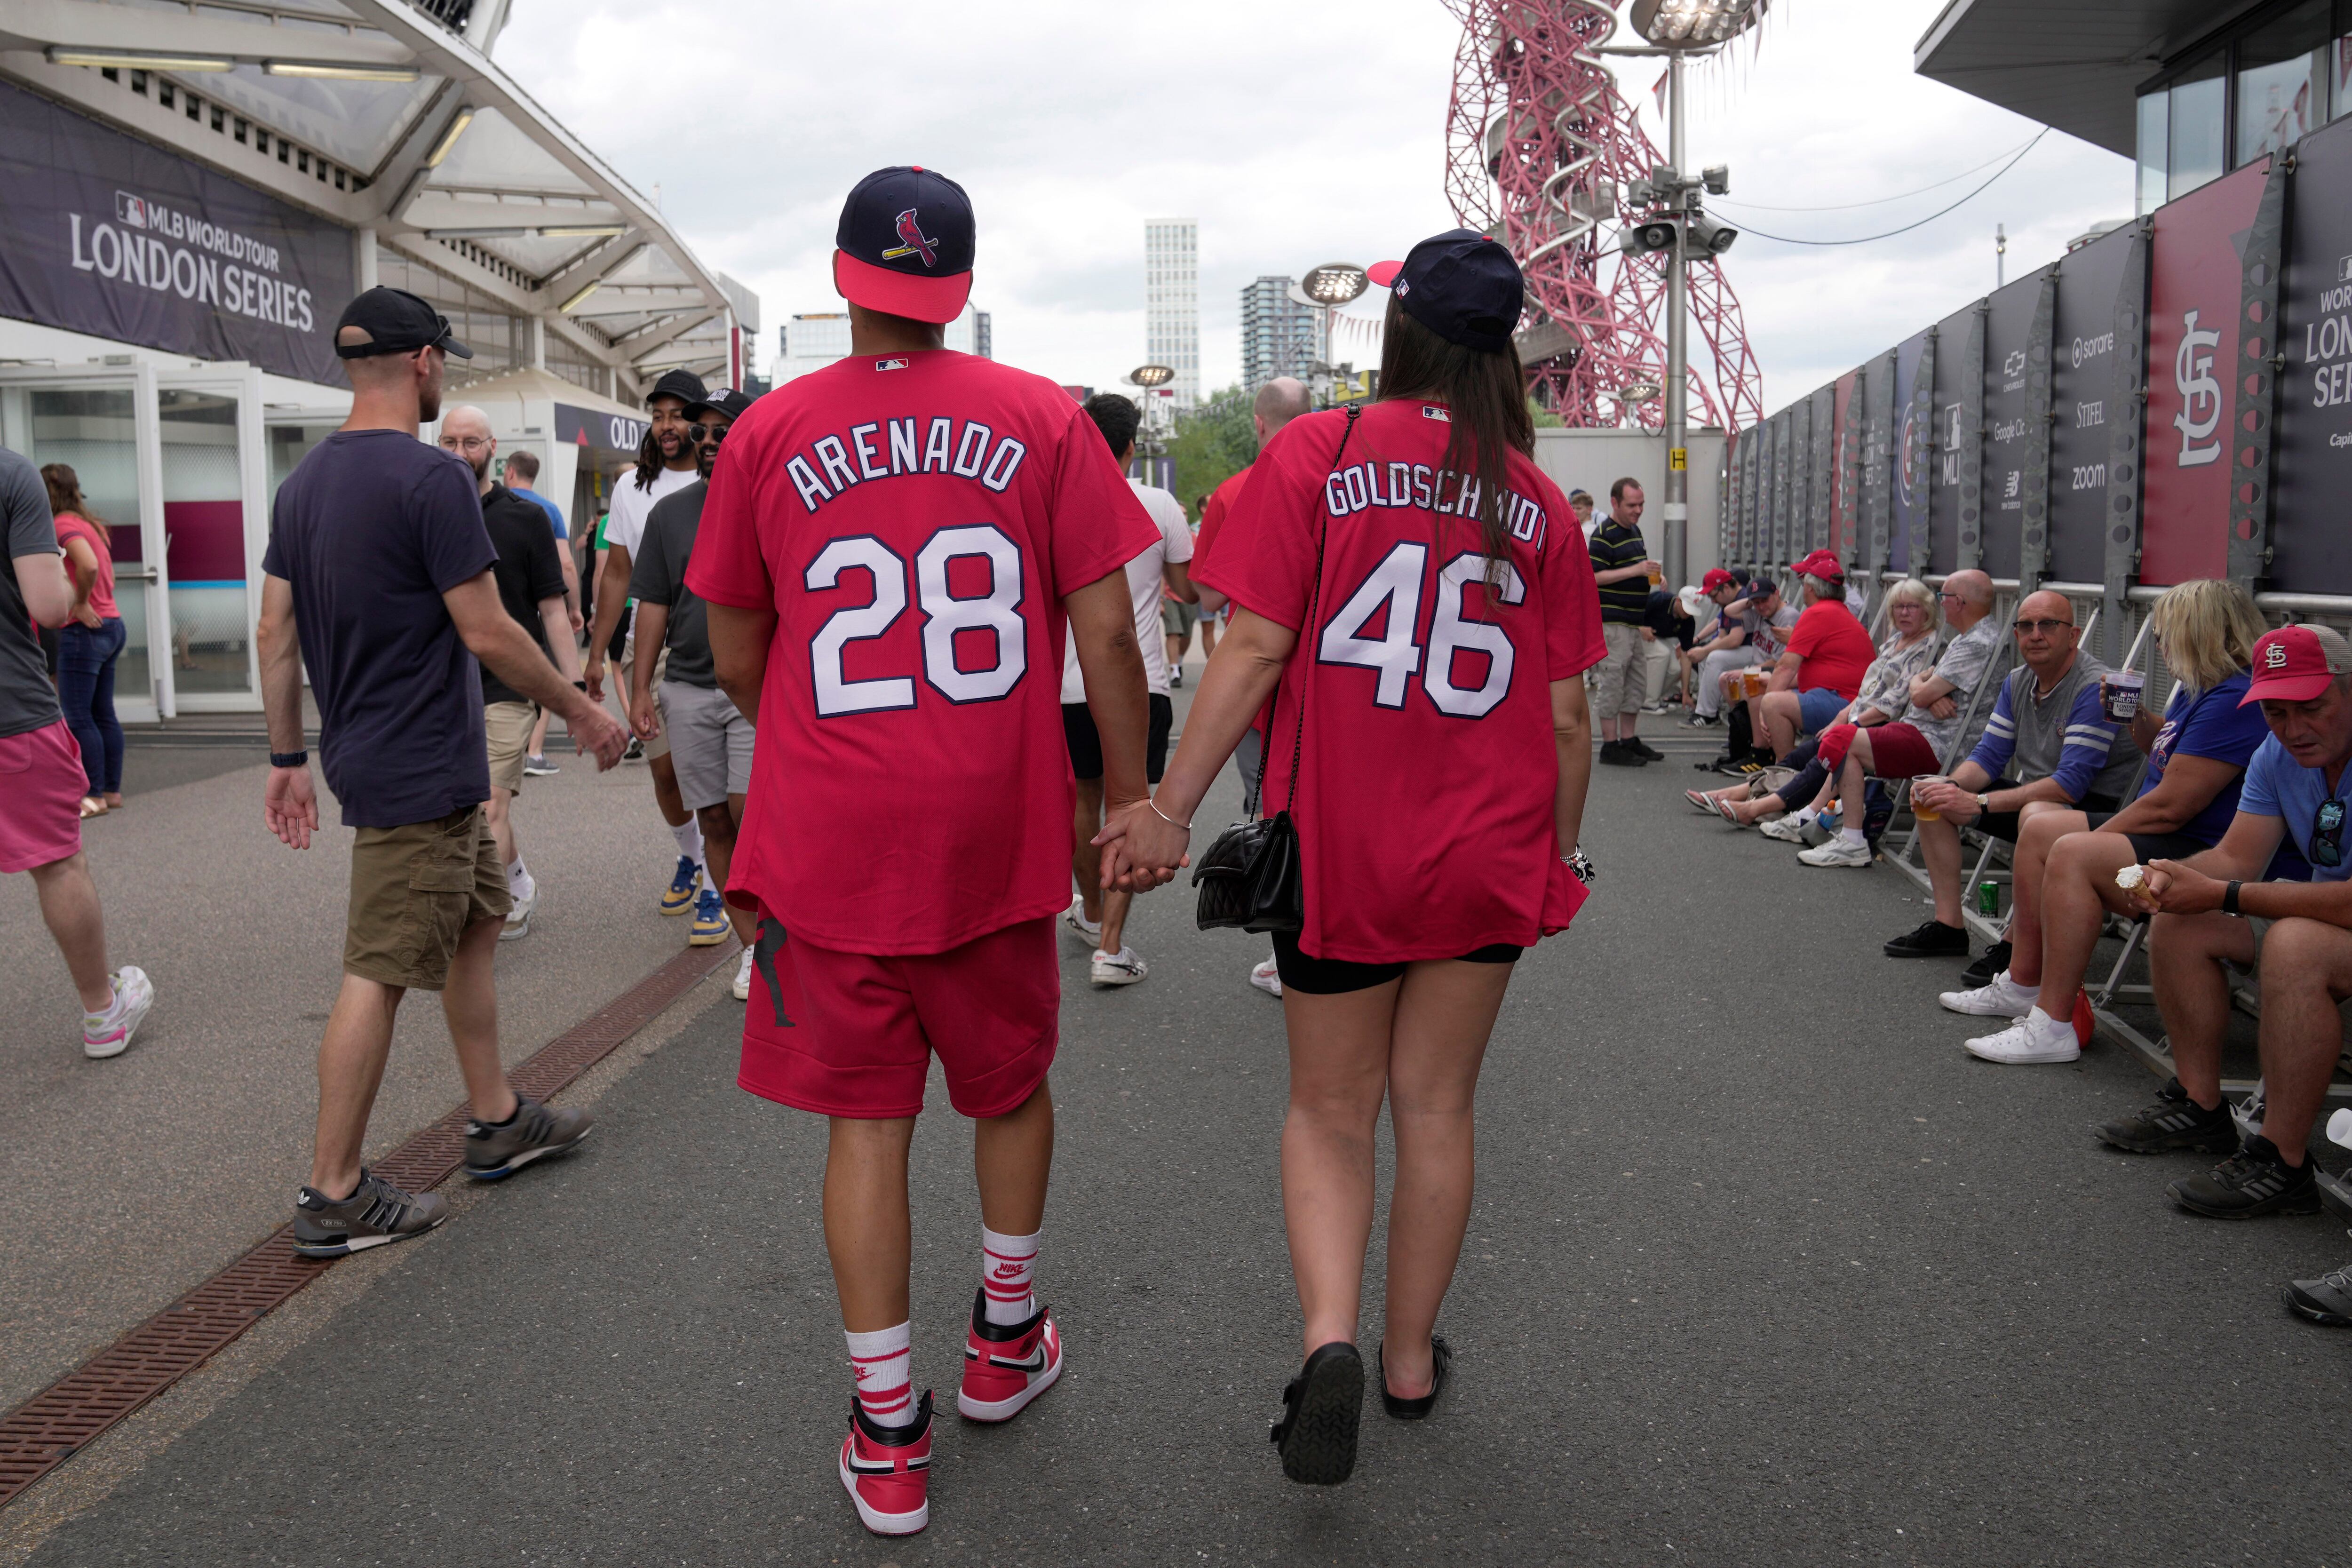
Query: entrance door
101	422
217	525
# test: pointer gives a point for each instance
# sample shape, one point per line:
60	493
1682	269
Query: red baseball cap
1718	578
1821	563
904	245
2295	664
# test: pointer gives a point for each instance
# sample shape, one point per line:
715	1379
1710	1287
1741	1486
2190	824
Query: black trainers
1322	1408
1980	972
2251	1183
533	1133
1614	755
2173	1122
1643	750
376	1213
1932	939
1701	721
2326	1299
1733	767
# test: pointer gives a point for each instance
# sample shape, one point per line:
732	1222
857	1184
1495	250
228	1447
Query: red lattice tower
1540	142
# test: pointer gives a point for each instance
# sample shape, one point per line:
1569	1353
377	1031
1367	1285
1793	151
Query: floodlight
1717	179
132	59
1151	375
1639	392
1335	283
1687	22
330	72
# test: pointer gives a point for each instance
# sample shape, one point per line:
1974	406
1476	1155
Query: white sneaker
1837	852
2036	1037
1267	977
107	1034
1074	921
1789	829
1121	968
742	986
2003	998
518	917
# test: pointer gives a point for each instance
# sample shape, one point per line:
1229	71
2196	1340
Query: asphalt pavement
1764	1269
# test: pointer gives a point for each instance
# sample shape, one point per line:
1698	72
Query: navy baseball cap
393	322
904	245
1464	288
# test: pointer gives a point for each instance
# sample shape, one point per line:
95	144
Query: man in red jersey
890	549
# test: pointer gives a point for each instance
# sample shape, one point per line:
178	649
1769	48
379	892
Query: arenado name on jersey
963	449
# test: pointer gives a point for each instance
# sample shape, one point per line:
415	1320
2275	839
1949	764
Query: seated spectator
1885	693
2210	914
1667	628
1769	620
2048	739
1821	669
2066	860
1723	646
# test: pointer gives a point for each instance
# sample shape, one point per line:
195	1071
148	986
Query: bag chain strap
1314	604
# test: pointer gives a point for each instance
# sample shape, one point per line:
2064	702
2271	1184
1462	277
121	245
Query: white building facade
1172	303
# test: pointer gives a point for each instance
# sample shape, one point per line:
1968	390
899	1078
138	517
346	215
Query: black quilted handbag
1250	877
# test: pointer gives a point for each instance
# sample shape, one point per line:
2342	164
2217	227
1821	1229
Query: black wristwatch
289	759
2229	900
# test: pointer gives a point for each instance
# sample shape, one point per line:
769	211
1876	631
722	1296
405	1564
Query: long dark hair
65	496
1485	398
649	459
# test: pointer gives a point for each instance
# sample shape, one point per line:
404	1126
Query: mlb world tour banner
104	233
2170	401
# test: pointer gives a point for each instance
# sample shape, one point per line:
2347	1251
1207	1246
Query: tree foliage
1211	445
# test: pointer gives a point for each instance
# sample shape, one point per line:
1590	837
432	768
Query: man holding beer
1625	574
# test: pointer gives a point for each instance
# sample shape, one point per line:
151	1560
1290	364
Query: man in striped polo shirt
1621	567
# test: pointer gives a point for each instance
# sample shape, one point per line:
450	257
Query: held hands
2172	888
1141	849
290	805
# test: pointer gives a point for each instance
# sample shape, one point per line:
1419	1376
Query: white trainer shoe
1837	852
2034	1038
1075	922
742	985
1789	829
1267	976
1120	968
107	1034
518	917
2003	998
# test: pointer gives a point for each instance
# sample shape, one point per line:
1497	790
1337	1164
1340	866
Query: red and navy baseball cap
2295	664
904	245
1464	287
1718	578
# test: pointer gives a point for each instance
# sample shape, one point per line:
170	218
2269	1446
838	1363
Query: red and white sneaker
1006	1365
887	1470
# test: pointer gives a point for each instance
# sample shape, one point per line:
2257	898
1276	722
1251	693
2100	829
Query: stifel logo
911	233
2201	393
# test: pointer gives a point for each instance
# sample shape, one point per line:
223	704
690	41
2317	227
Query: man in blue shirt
522	472
2212	909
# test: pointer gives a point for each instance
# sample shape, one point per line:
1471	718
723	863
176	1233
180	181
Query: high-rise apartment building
1279	335
809	343
983	340
1172	303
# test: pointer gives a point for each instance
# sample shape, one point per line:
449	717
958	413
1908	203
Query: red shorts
1896	751
41	784
844	1034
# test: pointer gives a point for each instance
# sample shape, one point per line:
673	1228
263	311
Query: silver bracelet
1164	816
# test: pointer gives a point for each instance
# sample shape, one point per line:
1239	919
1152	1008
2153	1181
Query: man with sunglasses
2048	739
710	739
2214	911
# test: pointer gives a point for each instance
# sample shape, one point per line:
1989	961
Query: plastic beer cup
1920	809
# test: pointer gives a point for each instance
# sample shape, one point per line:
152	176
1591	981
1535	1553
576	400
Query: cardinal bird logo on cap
912	232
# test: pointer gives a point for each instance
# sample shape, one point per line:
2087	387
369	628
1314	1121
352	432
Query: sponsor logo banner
2312	548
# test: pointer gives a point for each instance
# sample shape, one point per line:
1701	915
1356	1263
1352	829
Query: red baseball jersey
914	520
1213	514
1428	770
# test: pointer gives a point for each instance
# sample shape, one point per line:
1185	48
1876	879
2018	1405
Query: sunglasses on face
2047	628
711	433
2328	835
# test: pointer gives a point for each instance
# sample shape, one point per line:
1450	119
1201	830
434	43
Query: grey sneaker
377	1212
533	1133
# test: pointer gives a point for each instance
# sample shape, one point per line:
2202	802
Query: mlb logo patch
1430	411
890	364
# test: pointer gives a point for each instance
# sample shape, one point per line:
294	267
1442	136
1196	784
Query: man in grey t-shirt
41	830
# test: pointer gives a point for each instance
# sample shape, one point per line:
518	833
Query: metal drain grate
46	1429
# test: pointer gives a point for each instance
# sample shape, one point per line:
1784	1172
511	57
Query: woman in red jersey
1439	784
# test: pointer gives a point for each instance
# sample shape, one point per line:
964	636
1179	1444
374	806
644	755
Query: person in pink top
90	642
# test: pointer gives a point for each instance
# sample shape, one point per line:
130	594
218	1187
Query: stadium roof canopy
390	116
2077	65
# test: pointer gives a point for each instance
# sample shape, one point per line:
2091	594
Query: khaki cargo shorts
508	726
414	889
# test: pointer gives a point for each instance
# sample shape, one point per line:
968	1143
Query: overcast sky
1292	143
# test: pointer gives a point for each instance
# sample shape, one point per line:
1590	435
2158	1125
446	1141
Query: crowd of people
2218	821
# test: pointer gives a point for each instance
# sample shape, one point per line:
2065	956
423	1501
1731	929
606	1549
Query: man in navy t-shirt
2213	909
522	472
378	581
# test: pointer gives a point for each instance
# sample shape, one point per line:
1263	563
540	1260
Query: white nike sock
519	879
1008	1265
1851	835
881	1362
688	834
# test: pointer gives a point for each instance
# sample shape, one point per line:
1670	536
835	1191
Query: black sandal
1321	1409
1441	1356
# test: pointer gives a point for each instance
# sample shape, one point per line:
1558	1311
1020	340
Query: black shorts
2003	824
1338	976
1085	741
2147	846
